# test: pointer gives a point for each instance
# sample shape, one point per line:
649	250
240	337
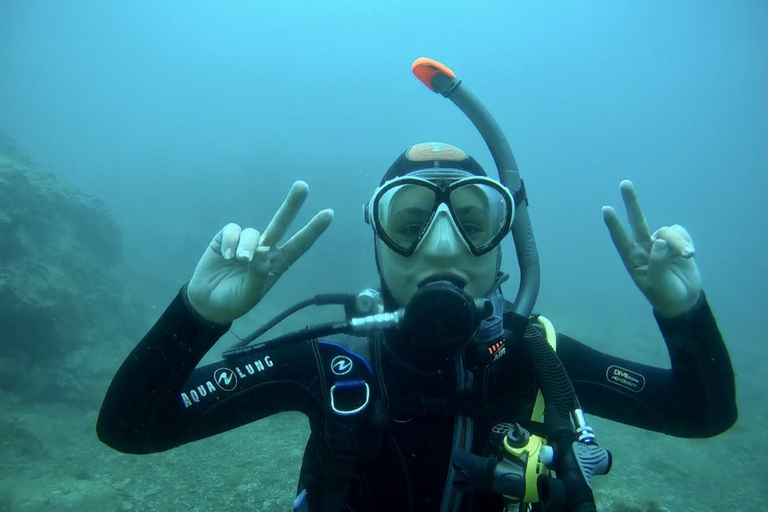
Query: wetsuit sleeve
159	400
695	398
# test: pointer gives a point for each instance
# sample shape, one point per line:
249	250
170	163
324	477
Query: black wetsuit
159	399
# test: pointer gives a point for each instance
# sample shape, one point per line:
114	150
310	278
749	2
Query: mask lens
404	212
481	211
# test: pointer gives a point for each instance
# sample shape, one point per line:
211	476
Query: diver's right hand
240	265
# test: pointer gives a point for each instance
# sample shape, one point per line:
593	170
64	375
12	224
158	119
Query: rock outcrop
60	284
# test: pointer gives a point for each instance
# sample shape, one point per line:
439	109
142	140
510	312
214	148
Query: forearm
145	392
695	398
701	370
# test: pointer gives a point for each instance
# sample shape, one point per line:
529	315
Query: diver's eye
472	230
410	230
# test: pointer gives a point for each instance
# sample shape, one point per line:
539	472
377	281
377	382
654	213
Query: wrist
200	312
681	309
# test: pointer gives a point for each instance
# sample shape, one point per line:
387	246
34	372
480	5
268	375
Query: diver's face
441	251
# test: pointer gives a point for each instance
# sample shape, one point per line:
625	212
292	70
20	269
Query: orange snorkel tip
426	69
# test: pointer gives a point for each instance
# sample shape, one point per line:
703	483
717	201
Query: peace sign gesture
241	265
661	264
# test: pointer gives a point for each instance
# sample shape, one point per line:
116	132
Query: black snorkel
440	79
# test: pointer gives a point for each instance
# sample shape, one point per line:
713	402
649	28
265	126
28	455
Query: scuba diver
435	392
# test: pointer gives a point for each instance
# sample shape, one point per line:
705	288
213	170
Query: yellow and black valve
520	470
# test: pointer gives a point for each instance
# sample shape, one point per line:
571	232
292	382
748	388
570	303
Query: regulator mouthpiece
443	317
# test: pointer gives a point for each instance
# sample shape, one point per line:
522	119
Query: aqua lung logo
628	379
225	379
341	365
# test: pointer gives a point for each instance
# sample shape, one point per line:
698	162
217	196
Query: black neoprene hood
405	164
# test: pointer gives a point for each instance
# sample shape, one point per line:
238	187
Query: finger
637	222
660	254
679	240
621	239
225	241
301	241
258	272
246	247
285	214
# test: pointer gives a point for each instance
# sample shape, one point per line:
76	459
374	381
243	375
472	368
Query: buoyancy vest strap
342	440
463	434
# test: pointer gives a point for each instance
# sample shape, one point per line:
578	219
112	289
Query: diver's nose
442	239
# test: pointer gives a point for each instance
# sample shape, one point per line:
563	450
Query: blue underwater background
131	132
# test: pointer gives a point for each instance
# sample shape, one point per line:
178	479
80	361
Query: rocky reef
61	288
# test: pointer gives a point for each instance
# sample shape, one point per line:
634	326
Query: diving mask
402	209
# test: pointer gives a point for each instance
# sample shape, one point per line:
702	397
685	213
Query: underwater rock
59	251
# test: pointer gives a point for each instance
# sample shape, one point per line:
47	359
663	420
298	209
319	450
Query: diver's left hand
661	263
